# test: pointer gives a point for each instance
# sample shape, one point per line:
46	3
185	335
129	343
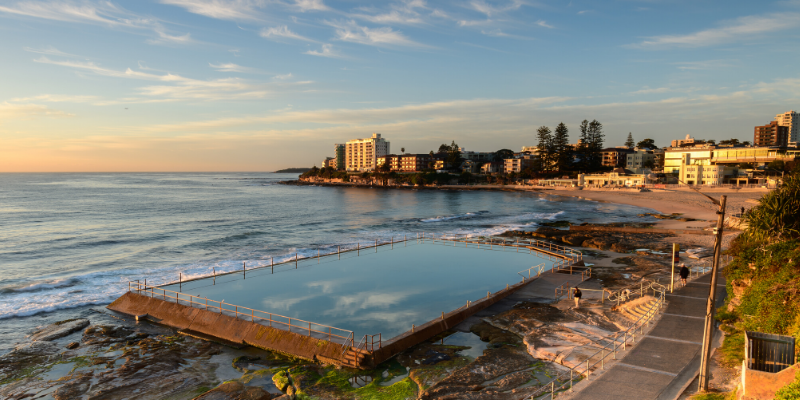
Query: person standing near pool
577	296
684	273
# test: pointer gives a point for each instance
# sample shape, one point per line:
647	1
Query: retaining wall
226	327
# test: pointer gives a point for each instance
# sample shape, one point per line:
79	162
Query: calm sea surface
70	242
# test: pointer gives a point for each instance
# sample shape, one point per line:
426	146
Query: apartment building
771	134
615	156
517	164
791	120
362	154
639	160
329	162
406	162
339	153
687	141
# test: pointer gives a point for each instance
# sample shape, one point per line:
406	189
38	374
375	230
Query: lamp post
712	293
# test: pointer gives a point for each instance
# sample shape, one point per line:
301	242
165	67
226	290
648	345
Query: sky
258	85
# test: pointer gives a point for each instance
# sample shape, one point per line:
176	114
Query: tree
733	142
402	150
454	155
647	144
546	147
594	145
502	154
385	167
562	153
630	143
649	164
443	148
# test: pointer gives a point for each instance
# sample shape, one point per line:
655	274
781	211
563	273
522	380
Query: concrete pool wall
189	315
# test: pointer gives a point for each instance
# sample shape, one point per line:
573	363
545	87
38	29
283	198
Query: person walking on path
577	296
684	273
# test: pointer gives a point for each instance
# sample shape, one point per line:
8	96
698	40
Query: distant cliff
293	170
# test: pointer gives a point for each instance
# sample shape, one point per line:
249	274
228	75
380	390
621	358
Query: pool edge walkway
666	360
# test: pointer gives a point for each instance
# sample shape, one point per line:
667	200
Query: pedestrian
742	214
684	273
577	296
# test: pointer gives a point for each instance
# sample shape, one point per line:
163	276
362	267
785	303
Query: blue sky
223	85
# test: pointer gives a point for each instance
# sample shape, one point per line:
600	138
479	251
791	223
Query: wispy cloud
325	51
349	31
283	77
544	24
282	32
49	50
230	67
164	37
26	111
222	9
311	5
733	31
500	33
490	10
647	90
403	12
103	13
177	87
701	65
581	12
57	98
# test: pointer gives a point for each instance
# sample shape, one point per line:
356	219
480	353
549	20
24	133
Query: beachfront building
640	160
615	156
405	162
658	159
687	141
725	155
706	174
518	163
491	167
791	120
362	154
339	153
611	179
329	162
476	156
771	134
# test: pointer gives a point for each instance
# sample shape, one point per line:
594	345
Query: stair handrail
539	270
604	352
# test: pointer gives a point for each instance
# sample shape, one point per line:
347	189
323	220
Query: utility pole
710	308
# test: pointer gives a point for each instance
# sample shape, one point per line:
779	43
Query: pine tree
630	143
562	153
594	157
545	146
582	152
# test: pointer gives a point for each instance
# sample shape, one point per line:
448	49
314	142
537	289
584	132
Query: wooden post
180	281
295	260
710	306
244	270
272	264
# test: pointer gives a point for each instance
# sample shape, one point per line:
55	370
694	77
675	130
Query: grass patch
790	391
732	349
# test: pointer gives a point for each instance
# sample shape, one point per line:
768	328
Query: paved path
665	360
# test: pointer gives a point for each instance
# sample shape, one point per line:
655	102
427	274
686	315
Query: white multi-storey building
363	154
791	120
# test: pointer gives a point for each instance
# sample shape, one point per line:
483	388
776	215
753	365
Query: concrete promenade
665	360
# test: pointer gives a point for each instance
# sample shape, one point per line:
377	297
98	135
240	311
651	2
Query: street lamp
712	294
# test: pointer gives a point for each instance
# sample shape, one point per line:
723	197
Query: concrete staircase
635	309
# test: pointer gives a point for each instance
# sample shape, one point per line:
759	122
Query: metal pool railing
294	325
565	380
536	269
565	255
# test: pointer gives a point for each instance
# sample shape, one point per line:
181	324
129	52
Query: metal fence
608	348
295	325
767	352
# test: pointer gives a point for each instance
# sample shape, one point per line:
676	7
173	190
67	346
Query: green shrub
790	391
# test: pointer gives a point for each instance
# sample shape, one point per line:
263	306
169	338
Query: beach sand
685	201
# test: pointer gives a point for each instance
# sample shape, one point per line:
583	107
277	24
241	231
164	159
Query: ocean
69	243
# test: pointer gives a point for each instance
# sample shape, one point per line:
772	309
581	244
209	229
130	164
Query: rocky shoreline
504	352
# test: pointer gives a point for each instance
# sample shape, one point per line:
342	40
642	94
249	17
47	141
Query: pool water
371	292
